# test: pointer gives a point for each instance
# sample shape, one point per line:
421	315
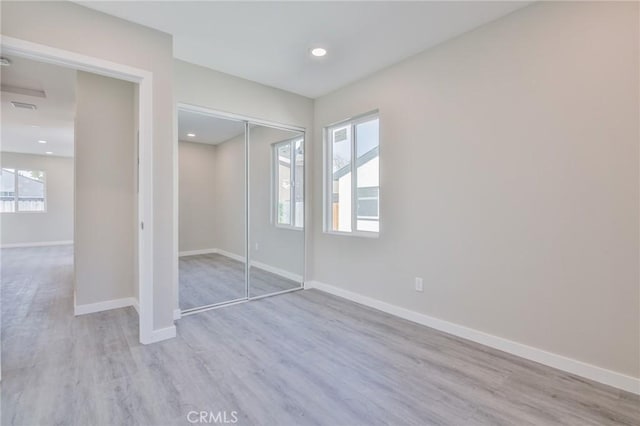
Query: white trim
281	272
107	305
160	335
196	252
274	270
144	79
136	305
235	117
38	244
230	255
177	314
579	368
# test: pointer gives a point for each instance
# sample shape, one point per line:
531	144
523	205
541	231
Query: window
288	200
22	191
352	194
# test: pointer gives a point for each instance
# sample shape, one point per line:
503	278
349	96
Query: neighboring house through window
22	191
288	194
352	192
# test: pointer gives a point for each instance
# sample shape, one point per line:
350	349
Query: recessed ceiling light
318	51
41	141
191	135
49	152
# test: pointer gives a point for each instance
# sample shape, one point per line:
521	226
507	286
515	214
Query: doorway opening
94	188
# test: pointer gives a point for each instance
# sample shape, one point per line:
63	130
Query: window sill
361	234
290	228
24	212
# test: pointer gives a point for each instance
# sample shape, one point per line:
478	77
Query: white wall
197	196
54	225
106	199
72	27
509	182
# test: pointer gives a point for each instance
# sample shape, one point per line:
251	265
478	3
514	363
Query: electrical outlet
419	286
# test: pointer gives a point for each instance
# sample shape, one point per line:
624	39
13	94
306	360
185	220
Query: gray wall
230	196
197	196
56	224
105	203
68	26
509	182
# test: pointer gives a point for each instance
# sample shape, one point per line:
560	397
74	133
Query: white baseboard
159	335
579	368
38	244
281	272
136	305
91	308
195	252
177	314
274	270
230	255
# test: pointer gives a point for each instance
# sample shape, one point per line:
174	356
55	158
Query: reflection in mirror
276	206
211	210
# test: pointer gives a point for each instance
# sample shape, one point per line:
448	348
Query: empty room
320	213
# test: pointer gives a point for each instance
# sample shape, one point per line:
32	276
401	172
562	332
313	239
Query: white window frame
16	197
328	175
293	184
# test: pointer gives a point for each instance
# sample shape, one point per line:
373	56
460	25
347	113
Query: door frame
247	120
144	80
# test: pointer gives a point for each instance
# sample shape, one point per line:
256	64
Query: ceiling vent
23	105
23	91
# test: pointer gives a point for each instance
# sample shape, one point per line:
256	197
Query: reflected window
288	194
22	191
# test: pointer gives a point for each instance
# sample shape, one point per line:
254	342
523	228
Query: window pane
367	184
7	191
30	191
299	183
341	179
283	153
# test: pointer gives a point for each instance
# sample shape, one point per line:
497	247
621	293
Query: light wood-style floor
303	358
206	279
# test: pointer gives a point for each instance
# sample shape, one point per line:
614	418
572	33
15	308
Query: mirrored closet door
276	210
212	210
241	196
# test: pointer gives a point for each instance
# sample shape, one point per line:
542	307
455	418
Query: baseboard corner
159	335
90	308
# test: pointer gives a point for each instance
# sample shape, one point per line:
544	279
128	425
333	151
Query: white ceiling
207	129
269	42
52	121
